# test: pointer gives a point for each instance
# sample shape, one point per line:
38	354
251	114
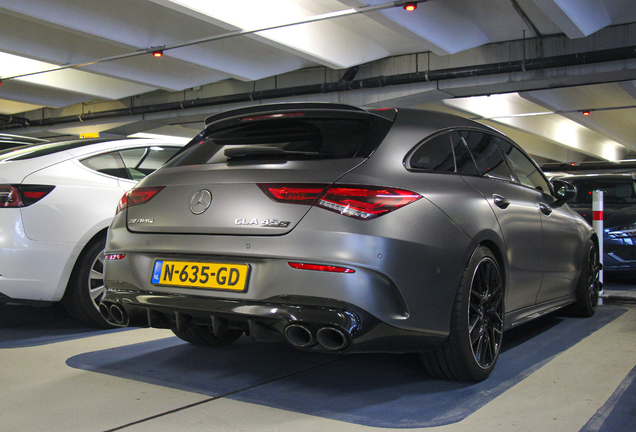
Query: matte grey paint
408	263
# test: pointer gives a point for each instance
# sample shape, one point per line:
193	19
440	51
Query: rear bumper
305	322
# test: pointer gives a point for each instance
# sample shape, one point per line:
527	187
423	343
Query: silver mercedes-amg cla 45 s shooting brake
348	230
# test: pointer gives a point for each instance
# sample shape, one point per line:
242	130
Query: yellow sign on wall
90	135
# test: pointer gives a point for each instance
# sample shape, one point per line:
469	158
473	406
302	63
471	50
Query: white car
56	203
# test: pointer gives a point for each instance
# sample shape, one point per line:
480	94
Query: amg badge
140	221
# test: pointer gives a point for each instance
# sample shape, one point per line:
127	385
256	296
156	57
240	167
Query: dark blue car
619	219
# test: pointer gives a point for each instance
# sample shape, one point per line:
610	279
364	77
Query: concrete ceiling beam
576	18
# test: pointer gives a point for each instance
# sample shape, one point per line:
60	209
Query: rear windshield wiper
263	152
241	152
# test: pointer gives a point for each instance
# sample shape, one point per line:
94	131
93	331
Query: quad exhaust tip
330	338
104	311
113	313
300	336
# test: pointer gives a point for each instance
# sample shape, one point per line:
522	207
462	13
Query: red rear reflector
365	202
34	195
316	267
114	256
273	116
293	193
138	196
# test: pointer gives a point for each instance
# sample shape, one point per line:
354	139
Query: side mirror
563	190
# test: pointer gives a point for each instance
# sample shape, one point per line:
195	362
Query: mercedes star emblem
200	201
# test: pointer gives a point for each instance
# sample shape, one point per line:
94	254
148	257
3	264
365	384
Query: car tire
472	348
589	285
203	336
85	287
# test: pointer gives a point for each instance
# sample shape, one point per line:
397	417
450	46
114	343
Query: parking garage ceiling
559	76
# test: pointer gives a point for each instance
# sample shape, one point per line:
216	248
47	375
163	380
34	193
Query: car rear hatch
246	173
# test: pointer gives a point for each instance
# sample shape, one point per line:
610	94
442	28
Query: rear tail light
365	202
360	202
22	195
138	196
293	193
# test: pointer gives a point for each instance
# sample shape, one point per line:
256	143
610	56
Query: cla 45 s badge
273	223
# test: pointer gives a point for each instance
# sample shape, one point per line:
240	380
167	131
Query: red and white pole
597	224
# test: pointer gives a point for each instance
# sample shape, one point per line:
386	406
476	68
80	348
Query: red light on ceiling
586	113
410	6
157	53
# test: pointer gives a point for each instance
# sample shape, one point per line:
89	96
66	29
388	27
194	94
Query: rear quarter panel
82	200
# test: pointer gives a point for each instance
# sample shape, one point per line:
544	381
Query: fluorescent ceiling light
250	14
174	139
317	41
67	79
513	110
498	106
11	65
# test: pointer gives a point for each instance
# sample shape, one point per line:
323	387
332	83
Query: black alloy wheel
589	285
485	314
472	348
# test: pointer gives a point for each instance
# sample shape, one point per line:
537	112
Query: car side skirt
521	316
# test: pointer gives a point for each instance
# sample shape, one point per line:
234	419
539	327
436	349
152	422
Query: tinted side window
142	161
527	173
107	163
463	159
435	154
489	159
132	157
155	158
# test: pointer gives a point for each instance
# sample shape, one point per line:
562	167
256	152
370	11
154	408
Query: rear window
436	154
288	139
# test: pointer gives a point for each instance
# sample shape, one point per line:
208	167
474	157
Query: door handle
501	202
545	209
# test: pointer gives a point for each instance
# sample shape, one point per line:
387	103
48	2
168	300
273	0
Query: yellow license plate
201	275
